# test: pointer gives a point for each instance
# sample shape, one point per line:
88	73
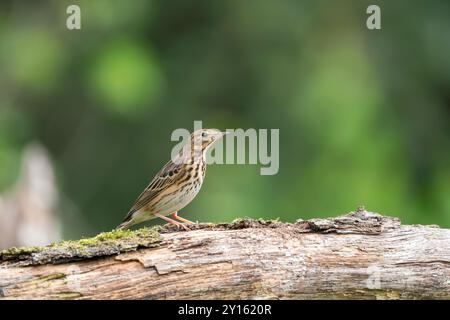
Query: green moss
19	251
53	276
115	242
111	237
104	243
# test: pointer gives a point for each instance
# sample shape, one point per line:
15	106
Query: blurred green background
363	115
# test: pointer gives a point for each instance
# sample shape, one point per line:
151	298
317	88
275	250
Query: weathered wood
361	255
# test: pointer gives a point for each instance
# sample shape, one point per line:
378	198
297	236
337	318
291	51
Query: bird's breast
181	193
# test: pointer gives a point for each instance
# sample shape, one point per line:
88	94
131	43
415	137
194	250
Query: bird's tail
127	222
124	225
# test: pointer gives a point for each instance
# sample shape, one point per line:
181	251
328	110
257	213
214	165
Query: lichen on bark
103	244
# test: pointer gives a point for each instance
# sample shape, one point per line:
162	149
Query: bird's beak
220	135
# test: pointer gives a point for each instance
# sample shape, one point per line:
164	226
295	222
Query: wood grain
361	255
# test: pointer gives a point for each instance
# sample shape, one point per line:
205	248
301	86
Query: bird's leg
171	221
176	216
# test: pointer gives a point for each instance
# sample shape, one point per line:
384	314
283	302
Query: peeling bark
361	255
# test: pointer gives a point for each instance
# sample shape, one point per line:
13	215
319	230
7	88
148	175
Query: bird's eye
204	134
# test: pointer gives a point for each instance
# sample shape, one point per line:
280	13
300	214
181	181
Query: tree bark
361	255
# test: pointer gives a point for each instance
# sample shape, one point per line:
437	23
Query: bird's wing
168	174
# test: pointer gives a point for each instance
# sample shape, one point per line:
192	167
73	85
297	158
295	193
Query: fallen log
361	255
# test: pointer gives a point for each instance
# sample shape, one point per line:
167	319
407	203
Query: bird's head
206	137
199	142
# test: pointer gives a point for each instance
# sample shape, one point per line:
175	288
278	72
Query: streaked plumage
176	184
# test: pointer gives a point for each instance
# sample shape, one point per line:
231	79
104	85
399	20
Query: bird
176	184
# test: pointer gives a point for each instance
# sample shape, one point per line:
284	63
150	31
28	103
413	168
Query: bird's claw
182	225
178	225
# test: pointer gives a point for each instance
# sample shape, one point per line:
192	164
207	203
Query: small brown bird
176	185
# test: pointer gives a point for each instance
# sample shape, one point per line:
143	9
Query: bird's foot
176	216
172	222
178	225
183	226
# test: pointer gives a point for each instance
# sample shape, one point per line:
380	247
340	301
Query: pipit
176	185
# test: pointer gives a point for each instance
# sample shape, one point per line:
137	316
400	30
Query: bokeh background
86	115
